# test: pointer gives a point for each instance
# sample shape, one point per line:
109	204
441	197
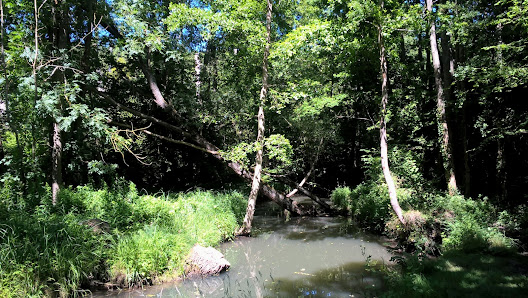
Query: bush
341	197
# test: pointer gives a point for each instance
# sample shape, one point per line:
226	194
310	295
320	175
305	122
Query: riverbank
452	246
137	239
459	274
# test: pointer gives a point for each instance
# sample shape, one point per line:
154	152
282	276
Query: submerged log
205	261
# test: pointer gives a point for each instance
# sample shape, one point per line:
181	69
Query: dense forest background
96	77
166	95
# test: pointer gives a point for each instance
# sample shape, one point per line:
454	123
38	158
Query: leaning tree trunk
441	113
383	129
200	142
255	185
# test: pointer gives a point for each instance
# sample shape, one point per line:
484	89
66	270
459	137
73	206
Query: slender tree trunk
441	111
255	185
56	158
198	83
60	42
501	174
197	76
383	129
465	148
88	39
158	96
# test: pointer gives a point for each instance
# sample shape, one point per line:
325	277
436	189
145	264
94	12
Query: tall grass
47	251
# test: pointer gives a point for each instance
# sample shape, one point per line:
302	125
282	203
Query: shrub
341	197
421	233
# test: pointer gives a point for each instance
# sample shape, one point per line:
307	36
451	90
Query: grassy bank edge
48	251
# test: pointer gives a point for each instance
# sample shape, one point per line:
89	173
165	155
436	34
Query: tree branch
171	140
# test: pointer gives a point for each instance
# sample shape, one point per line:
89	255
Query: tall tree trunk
501	173
255	185
56	158
383	128
5	98
60	42
441	113
465	148
197	76
88	39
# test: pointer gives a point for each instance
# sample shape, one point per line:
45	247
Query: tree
255	185
446	144
383	125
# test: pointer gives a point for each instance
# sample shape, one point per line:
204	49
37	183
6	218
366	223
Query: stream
302	257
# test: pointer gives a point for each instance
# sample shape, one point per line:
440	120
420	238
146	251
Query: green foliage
368	203
473	227
49	249
45	251
277	149
341	197
143	254
435	223
364	204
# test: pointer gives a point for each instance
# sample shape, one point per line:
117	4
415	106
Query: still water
304	257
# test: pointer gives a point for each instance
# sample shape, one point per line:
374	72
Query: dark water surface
304	257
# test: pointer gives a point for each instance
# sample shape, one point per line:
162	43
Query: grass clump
47	250
172	225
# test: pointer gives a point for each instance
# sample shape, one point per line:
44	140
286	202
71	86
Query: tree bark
88	39
383	128
255	185
441	111
312	196
465	148
501	173
197	76
158	96
56	158
60	40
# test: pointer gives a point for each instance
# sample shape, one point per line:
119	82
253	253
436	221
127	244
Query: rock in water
205	261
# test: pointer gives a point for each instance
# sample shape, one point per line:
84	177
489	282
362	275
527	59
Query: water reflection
305	257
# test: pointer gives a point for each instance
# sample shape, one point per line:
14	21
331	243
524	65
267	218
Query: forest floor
460	275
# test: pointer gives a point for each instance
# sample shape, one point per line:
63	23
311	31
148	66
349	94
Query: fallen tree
191	138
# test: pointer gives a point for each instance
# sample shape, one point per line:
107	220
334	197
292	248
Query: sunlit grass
461	275
48	252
